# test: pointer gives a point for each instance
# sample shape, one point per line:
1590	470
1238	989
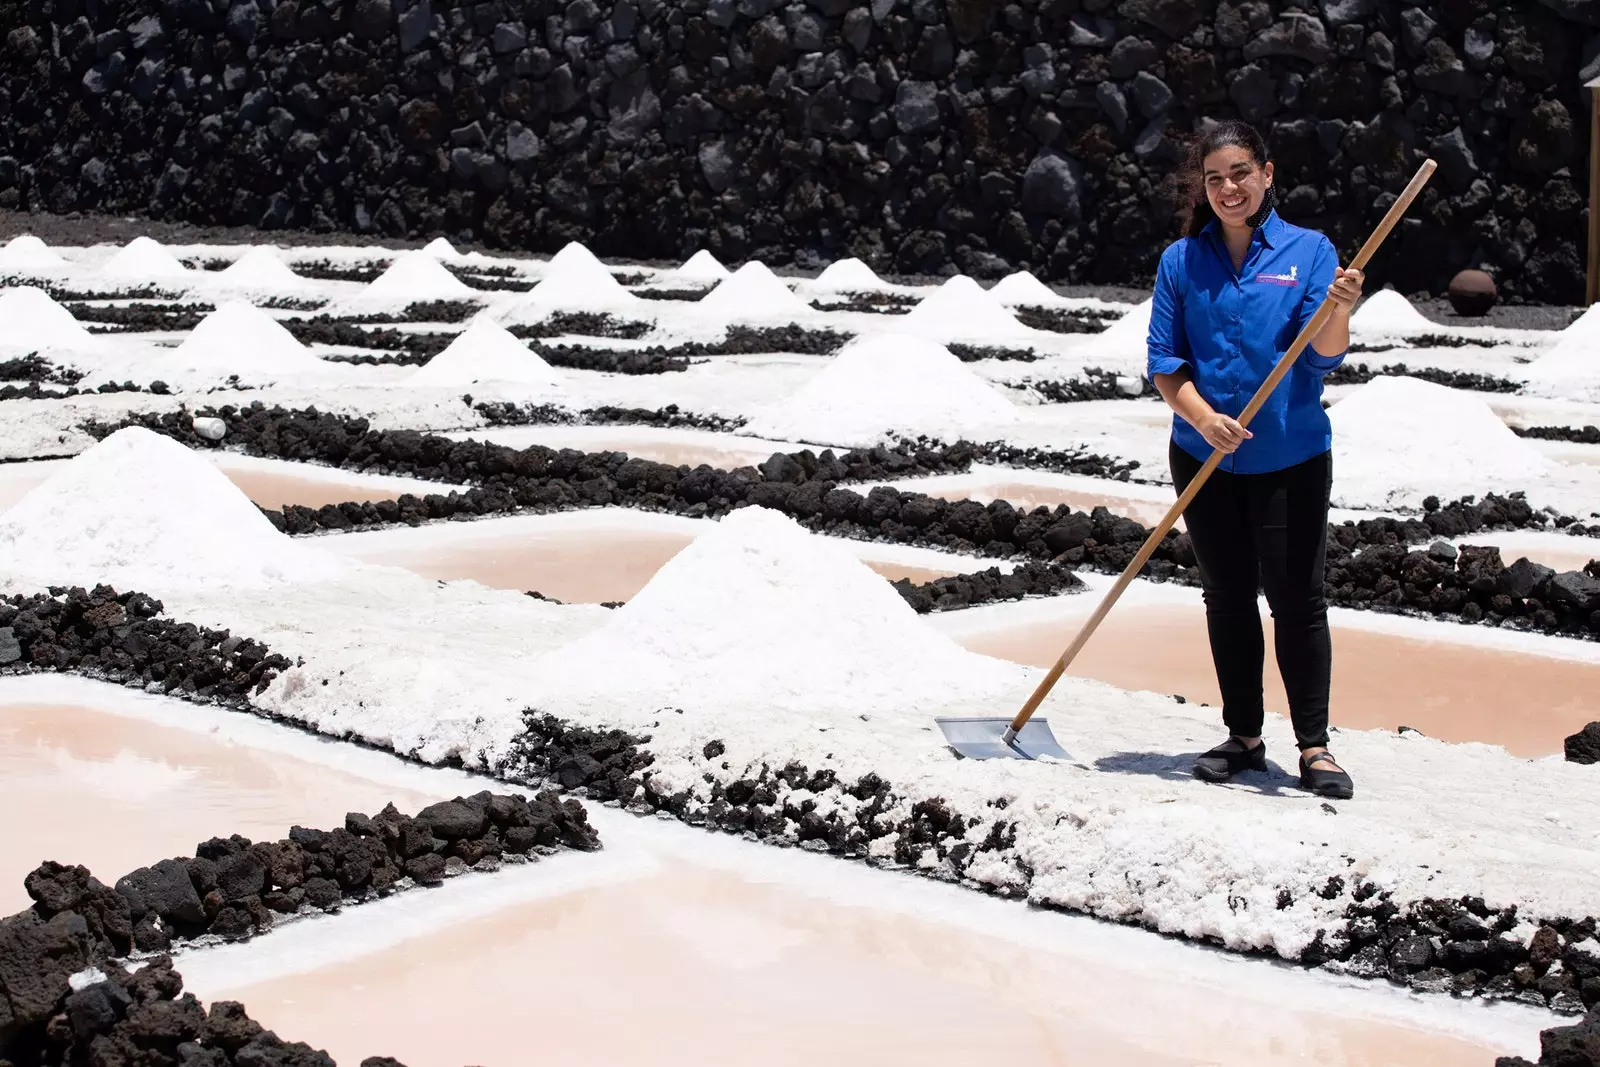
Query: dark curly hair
1229	134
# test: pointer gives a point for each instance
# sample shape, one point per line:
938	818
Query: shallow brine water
1451	691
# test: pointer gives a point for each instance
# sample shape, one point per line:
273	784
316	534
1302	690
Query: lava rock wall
920	135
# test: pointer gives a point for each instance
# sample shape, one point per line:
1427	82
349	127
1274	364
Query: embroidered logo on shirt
1289	280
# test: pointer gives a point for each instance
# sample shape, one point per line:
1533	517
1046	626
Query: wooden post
1592	290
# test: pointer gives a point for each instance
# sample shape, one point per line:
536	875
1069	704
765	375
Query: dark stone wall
920	135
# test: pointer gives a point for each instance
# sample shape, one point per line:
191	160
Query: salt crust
485	353
141	511
145	260
882	383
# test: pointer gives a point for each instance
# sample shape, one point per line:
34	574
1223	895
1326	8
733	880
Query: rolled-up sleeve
1168	343
1323	266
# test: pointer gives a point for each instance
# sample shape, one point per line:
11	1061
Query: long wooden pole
1279	372
1592	289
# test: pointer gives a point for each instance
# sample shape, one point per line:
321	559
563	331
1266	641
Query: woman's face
1235	184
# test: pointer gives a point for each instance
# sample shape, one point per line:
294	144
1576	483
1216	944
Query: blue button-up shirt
1231	327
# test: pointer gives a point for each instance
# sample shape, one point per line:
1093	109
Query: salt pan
847	276
752	292
702	267
1387	314
486	353
26	253
141	511
30	320
882	383
961	308
1399	440
144	260
758	612
1023	289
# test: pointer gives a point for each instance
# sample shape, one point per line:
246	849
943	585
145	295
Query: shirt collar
1269	232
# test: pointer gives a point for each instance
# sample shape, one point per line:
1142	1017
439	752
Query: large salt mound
238	340
27	253
1023	289
1575	357
702	267
485	353
30	320
962	309
414	277
259	270
140	511
573	280
144	260
1122	346
752	292
758	613
1397	441
883	383
1388	314
847	276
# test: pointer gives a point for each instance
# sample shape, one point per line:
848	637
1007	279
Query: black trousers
1266	532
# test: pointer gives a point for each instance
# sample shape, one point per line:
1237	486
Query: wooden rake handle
1279	372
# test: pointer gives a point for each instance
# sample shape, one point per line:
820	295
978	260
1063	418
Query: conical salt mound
1397	441
573	280
485	353
439	248
1575	357
702	267
847	276
239	339
413	277
1022	289
140	511
27	253
1124	345
758	613
259	270
752	292
961	308
31	320
1388	314
884	383
144	260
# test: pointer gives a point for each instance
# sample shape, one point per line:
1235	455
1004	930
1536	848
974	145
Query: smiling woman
1230	298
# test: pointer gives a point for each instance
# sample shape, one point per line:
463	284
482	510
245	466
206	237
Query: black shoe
1325	781
1228	759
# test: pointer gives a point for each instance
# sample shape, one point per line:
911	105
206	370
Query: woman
1230	297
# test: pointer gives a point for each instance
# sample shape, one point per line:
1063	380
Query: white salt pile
30	321
752	292
259	270
486	353
1387	314
414	277
140	511
758	613
1122	346
144	260
883	383
961	308
846	276
702	267
439	248
1571	367
1022	289
573	280
238	340
26	254
1397	441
